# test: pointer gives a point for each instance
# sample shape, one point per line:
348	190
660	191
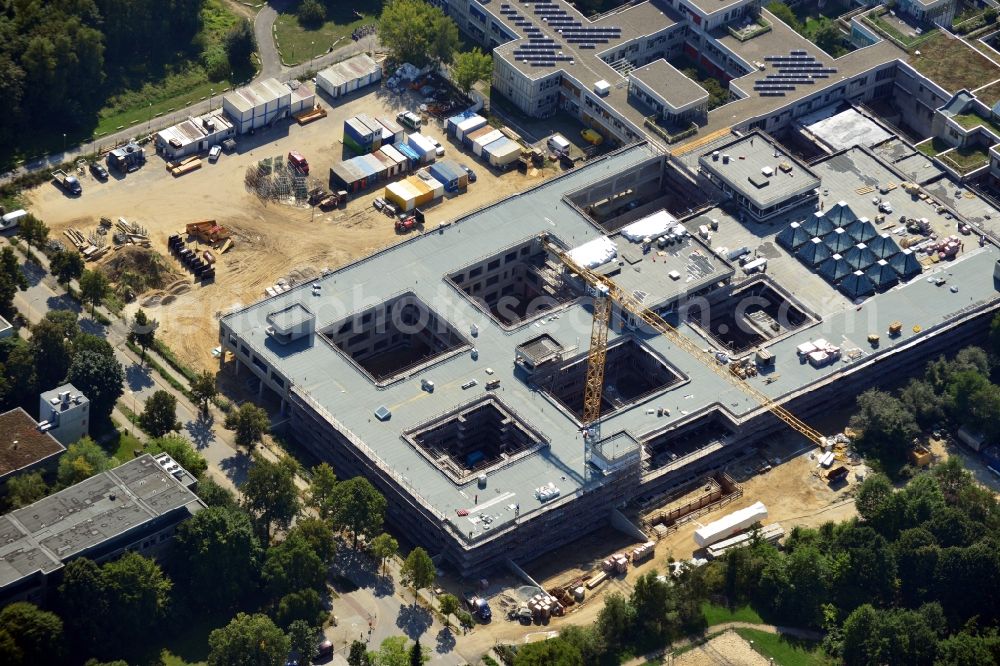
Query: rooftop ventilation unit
602	88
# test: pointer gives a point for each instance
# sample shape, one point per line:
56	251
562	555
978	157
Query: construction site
529	373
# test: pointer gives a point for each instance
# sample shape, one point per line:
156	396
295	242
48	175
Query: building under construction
451	369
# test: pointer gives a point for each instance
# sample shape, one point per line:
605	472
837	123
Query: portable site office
502	152
345	77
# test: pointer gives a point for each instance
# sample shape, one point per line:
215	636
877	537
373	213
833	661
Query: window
509	257
478	270
493	265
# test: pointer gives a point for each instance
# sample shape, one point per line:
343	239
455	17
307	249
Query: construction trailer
402	161
395	164
462	124
410	154
345	77
262	103
486	139
127	158
398	131
413	191
472	136
194	135
361	137
423	146
450	174
354	175
502	153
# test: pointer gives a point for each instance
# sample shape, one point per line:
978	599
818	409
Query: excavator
606	293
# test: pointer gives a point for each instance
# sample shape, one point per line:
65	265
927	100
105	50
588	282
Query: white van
558	144
11	220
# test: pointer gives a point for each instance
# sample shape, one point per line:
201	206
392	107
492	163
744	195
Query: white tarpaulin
650	226
594	253
731	524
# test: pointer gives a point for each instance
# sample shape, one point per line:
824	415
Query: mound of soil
135	270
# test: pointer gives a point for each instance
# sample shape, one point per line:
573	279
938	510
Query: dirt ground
273	241
726	648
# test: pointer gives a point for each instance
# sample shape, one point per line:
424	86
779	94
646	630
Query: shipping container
471	136
485	140
423	146
402	194
394	128
349	75
359	137
470	124
410	154
453	176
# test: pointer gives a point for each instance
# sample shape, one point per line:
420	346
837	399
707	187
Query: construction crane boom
601	284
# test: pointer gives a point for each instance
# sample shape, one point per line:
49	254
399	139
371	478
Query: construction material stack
203	270
617	564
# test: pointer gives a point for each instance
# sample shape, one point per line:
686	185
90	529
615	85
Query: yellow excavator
606	293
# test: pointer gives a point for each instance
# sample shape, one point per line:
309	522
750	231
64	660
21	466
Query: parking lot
272	241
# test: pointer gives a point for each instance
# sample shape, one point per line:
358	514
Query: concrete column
260	390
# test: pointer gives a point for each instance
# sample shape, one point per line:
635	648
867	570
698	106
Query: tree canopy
220	555
248	640
470	67
159	415
100	378
270	494
417	32
360	508
249	422
12	278
418	570
82	460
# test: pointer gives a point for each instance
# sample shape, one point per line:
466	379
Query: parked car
438	148
472	174
379	203
214	152
99	171
298	162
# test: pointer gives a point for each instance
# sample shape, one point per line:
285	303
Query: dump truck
479	607
68	184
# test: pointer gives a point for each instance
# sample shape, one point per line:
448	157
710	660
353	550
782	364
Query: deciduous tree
159	416
82	460
470	67
448	605
203	389
302	640
66	265
270	494
248	639
38	634
418	571
383	547
142	332
93	288
293	565
249	422
100	378
12	280
25	488
360	508
322	487
417	32
220	555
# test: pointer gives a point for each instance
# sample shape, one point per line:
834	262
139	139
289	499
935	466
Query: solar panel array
542	51
795	69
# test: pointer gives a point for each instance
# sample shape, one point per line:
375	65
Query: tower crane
606	292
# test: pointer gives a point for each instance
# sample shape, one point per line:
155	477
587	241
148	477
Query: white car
438	148
214	152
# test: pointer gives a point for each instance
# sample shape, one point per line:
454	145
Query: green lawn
970	120
931	147
953	65
989	95
965	160
715	614
783	650
889	29
298	44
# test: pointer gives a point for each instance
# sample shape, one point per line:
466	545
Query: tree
138	594
32	230
248	640
92	343
82	460
417	657
82	600
142	332
240	44
393	652
38	634
927	406
203	389
358	655
12	280
93	288
183	453
212	494
995	335
159	416
383	547
51	347
360	508
448	605
828	37
470	67
873	496
553	652
318	534
652	600
322	487
101	379
615	620
220	555
249	422
417	32
293	565
301	606
586	640
311	14
66	265
302	639
785	14
887	427
418	571
25	488
270	494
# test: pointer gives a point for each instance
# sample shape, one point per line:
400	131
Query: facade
447	369
64	413
25	446
939	12
194	135
133	507
262	103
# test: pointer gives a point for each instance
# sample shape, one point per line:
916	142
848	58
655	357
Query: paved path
271	67
263	25
807	634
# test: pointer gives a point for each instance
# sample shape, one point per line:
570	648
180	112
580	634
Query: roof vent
383	413
725	158
602	88
715	156
767	171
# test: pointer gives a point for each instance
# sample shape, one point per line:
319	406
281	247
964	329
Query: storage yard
272	242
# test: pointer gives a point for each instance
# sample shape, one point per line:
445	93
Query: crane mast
605	293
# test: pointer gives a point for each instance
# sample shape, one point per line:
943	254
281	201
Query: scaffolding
272	179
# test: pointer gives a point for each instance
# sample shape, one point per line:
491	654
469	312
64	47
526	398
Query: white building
64	413
194	135
345	77
262	103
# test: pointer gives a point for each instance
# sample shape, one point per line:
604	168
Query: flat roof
22	444
256	94
78	520
669	84
325	379
748	155
845	129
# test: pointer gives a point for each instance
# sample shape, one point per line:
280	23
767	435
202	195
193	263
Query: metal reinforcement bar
629	303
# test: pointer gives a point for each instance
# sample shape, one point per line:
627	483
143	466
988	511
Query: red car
298	162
